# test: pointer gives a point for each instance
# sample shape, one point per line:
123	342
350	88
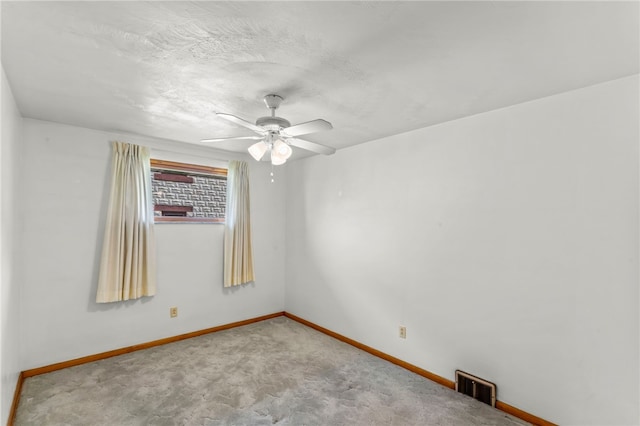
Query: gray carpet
272	372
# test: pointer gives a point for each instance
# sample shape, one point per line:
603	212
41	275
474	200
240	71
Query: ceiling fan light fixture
257	150
276	159
282	149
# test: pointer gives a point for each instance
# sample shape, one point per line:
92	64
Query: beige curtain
238	255
127	268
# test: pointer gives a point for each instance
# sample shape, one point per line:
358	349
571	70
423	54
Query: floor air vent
476	388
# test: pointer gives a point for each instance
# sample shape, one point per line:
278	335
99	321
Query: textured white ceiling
371	68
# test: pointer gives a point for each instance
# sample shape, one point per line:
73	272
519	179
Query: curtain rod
178	147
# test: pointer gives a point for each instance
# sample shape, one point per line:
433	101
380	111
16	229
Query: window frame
189	168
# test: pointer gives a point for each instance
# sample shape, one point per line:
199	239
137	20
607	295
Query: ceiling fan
276	135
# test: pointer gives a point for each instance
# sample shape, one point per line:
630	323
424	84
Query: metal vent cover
475	387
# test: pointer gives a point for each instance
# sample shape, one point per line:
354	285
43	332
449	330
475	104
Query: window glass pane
181	194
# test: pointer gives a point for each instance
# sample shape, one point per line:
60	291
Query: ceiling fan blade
311	146
255	138
308	127
241	122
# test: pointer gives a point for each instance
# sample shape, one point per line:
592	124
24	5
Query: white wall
66	185
10	228
506	242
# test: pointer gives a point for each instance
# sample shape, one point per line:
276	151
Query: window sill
169	219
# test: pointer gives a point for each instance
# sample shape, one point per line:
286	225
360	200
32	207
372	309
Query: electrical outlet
403	332
173	312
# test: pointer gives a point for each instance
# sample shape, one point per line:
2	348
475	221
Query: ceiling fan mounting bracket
273	101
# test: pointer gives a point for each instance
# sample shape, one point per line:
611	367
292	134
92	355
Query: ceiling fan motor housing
273	123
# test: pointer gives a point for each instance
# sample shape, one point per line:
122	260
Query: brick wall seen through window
188	192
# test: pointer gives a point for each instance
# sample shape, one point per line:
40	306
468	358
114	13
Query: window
188	192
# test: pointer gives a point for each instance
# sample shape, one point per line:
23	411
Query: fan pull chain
272	180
